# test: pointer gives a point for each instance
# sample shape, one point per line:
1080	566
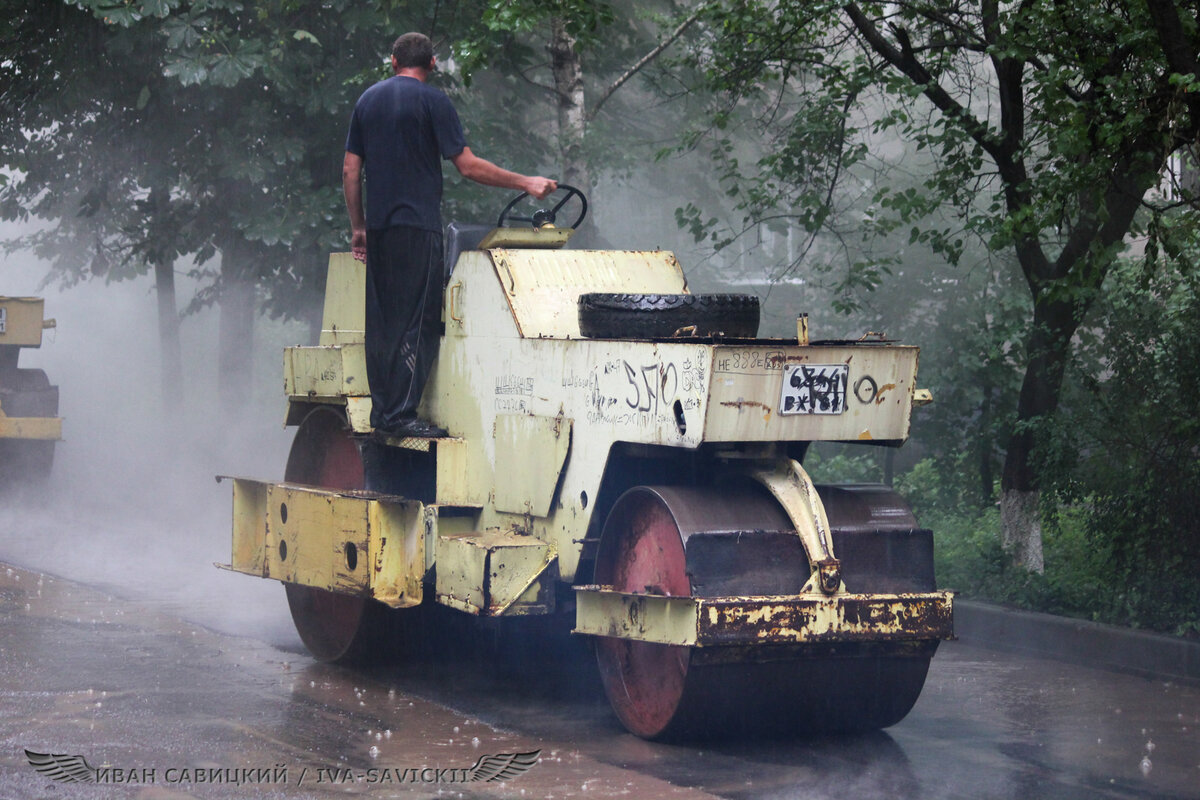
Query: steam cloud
132	505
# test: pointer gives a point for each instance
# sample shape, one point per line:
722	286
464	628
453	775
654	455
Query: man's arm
352	187
483	171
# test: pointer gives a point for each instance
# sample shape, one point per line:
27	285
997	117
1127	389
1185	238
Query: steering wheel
544	216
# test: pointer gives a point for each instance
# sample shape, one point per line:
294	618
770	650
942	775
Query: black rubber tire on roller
657	316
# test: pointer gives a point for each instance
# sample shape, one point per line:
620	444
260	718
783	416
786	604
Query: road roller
626	454
29	421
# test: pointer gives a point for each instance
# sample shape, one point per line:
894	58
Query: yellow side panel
456	484
461	574
334	371
539	445
397	551
526	237
249	527
41	428
358	411
315	541
345	301
494	572
21	321
543	286
351	543
758	393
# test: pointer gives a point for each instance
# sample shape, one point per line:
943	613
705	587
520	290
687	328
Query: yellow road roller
29	422
628	454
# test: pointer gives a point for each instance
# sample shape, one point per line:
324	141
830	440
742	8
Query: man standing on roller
400	131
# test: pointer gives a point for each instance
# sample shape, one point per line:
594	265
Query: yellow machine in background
629	454
29	422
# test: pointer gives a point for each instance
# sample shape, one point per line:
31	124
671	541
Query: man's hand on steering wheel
539	187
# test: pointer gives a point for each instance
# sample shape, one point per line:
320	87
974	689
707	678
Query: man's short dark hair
413	50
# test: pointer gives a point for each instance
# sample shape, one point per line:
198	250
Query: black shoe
412	428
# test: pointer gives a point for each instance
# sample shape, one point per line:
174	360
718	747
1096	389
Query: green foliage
971	360
1121	458
1078	580
1033	133
498	33
234	115
1133	436
827	462
824	90
231	117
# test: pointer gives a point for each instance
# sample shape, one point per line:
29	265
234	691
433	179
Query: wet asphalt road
135	653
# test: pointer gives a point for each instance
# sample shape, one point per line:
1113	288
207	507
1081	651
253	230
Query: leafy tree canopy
1047	127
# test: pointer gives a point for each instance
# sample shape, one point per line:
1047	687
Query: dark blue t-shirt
402	128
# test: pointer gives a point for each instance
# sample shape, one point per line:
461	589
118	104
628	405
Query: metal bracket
791	486
502	262
455	289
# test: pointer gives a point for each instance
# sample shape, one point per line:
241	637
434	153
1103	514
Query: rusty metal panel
315	539
844	618
461	573
344	316
640	617
765	392
740	621
40	428
22	321
249	527
397	551
456	486
543	286
494	573
531	451
358	411
325	372
357	543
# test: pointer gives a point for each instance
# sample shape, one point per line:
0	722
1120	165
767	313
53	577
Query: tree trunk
986	476
572	123
1054	323
160	254
236	339
1021	528
168	335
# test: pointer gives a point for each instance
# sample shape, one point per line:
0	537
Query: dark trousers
403	318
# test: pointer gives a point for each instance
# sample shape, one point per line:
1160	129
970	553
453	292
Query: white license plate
814	389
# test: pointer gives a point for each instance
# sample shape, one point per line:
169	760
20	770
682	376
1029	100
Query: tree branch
1029	251
646	59
1181	57
903	59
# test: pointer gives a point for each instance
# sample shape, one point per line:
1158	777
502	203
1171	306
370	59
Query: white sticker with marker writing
814	389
